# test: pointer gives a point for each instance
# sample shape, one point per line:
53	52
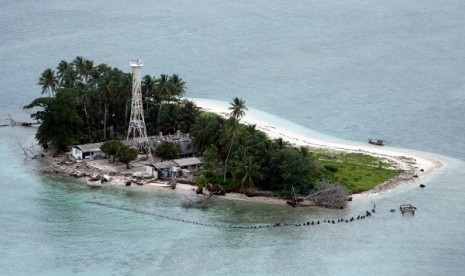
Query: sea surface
344	69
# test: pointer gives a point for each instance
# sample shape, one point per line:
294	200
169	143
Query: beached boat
378	142
94	182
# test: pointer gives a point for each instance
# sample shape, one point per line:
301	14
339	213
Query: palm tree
171	119
147	87
178	86
48	81
205	130
67	74
99	73
237	108
108	85
190	112
162	88
244	171
237	112
84	99
88	67
80	64
95	73
62	69
279	143
163	91
125	95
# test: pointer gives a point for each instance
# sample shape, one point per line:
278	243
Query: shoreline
416	166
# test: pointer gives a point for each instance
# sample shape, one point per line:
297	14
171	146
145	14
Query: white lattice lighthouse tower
137	132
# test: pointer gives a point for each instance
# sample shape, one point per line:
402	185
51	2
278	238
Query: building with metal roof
189	163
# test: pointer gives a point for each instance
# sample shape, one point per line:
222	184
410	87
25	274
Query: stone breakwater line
359	217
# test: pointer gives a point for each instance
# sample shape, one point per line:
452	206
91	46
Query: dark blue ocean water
348	69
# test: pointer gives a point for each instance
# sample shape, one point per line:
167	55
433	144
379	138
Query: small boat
94	182
378	142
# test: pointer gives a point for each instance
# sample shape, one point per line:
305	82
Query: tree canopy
255	161
101	103
167	150
111	147
91	103
126	154
60	122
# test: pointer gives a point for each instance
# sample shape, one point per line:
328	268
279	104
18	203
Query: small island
199	146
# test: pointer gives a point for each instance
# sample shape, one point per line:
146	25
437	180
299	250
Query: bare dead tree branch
333	195
29	152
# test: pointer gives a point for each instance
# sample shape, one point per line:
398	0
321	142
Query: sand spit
417	166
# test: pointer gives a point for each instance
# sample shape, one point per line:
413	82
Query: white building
87	151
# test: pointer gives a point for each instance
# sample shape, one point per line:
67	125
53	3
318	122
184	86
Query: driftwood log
204	201
217	190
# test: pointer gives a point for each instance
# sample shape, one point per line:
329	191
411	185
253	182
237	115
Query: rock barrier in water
255	226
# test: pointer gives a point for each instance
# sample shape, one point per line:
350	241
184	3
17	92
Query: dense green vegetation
244	158
92	103
110	148
119	150
86	103
59	117
358	172
167	150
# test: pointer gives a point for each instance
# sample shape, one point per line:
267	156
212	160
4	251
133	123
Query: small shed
164	168
190	163
87	151
150	170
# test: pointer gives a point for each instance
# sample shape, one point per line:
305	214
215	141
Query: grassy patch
357	171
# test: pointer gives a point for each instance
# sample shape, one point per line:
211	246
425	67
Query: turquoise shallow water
347	69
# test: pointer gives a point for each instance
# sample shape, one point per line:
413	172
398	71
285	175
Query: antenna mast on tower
137	131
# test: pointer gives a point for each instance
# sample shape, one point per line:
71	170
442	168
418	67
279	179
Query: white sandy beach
413	162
